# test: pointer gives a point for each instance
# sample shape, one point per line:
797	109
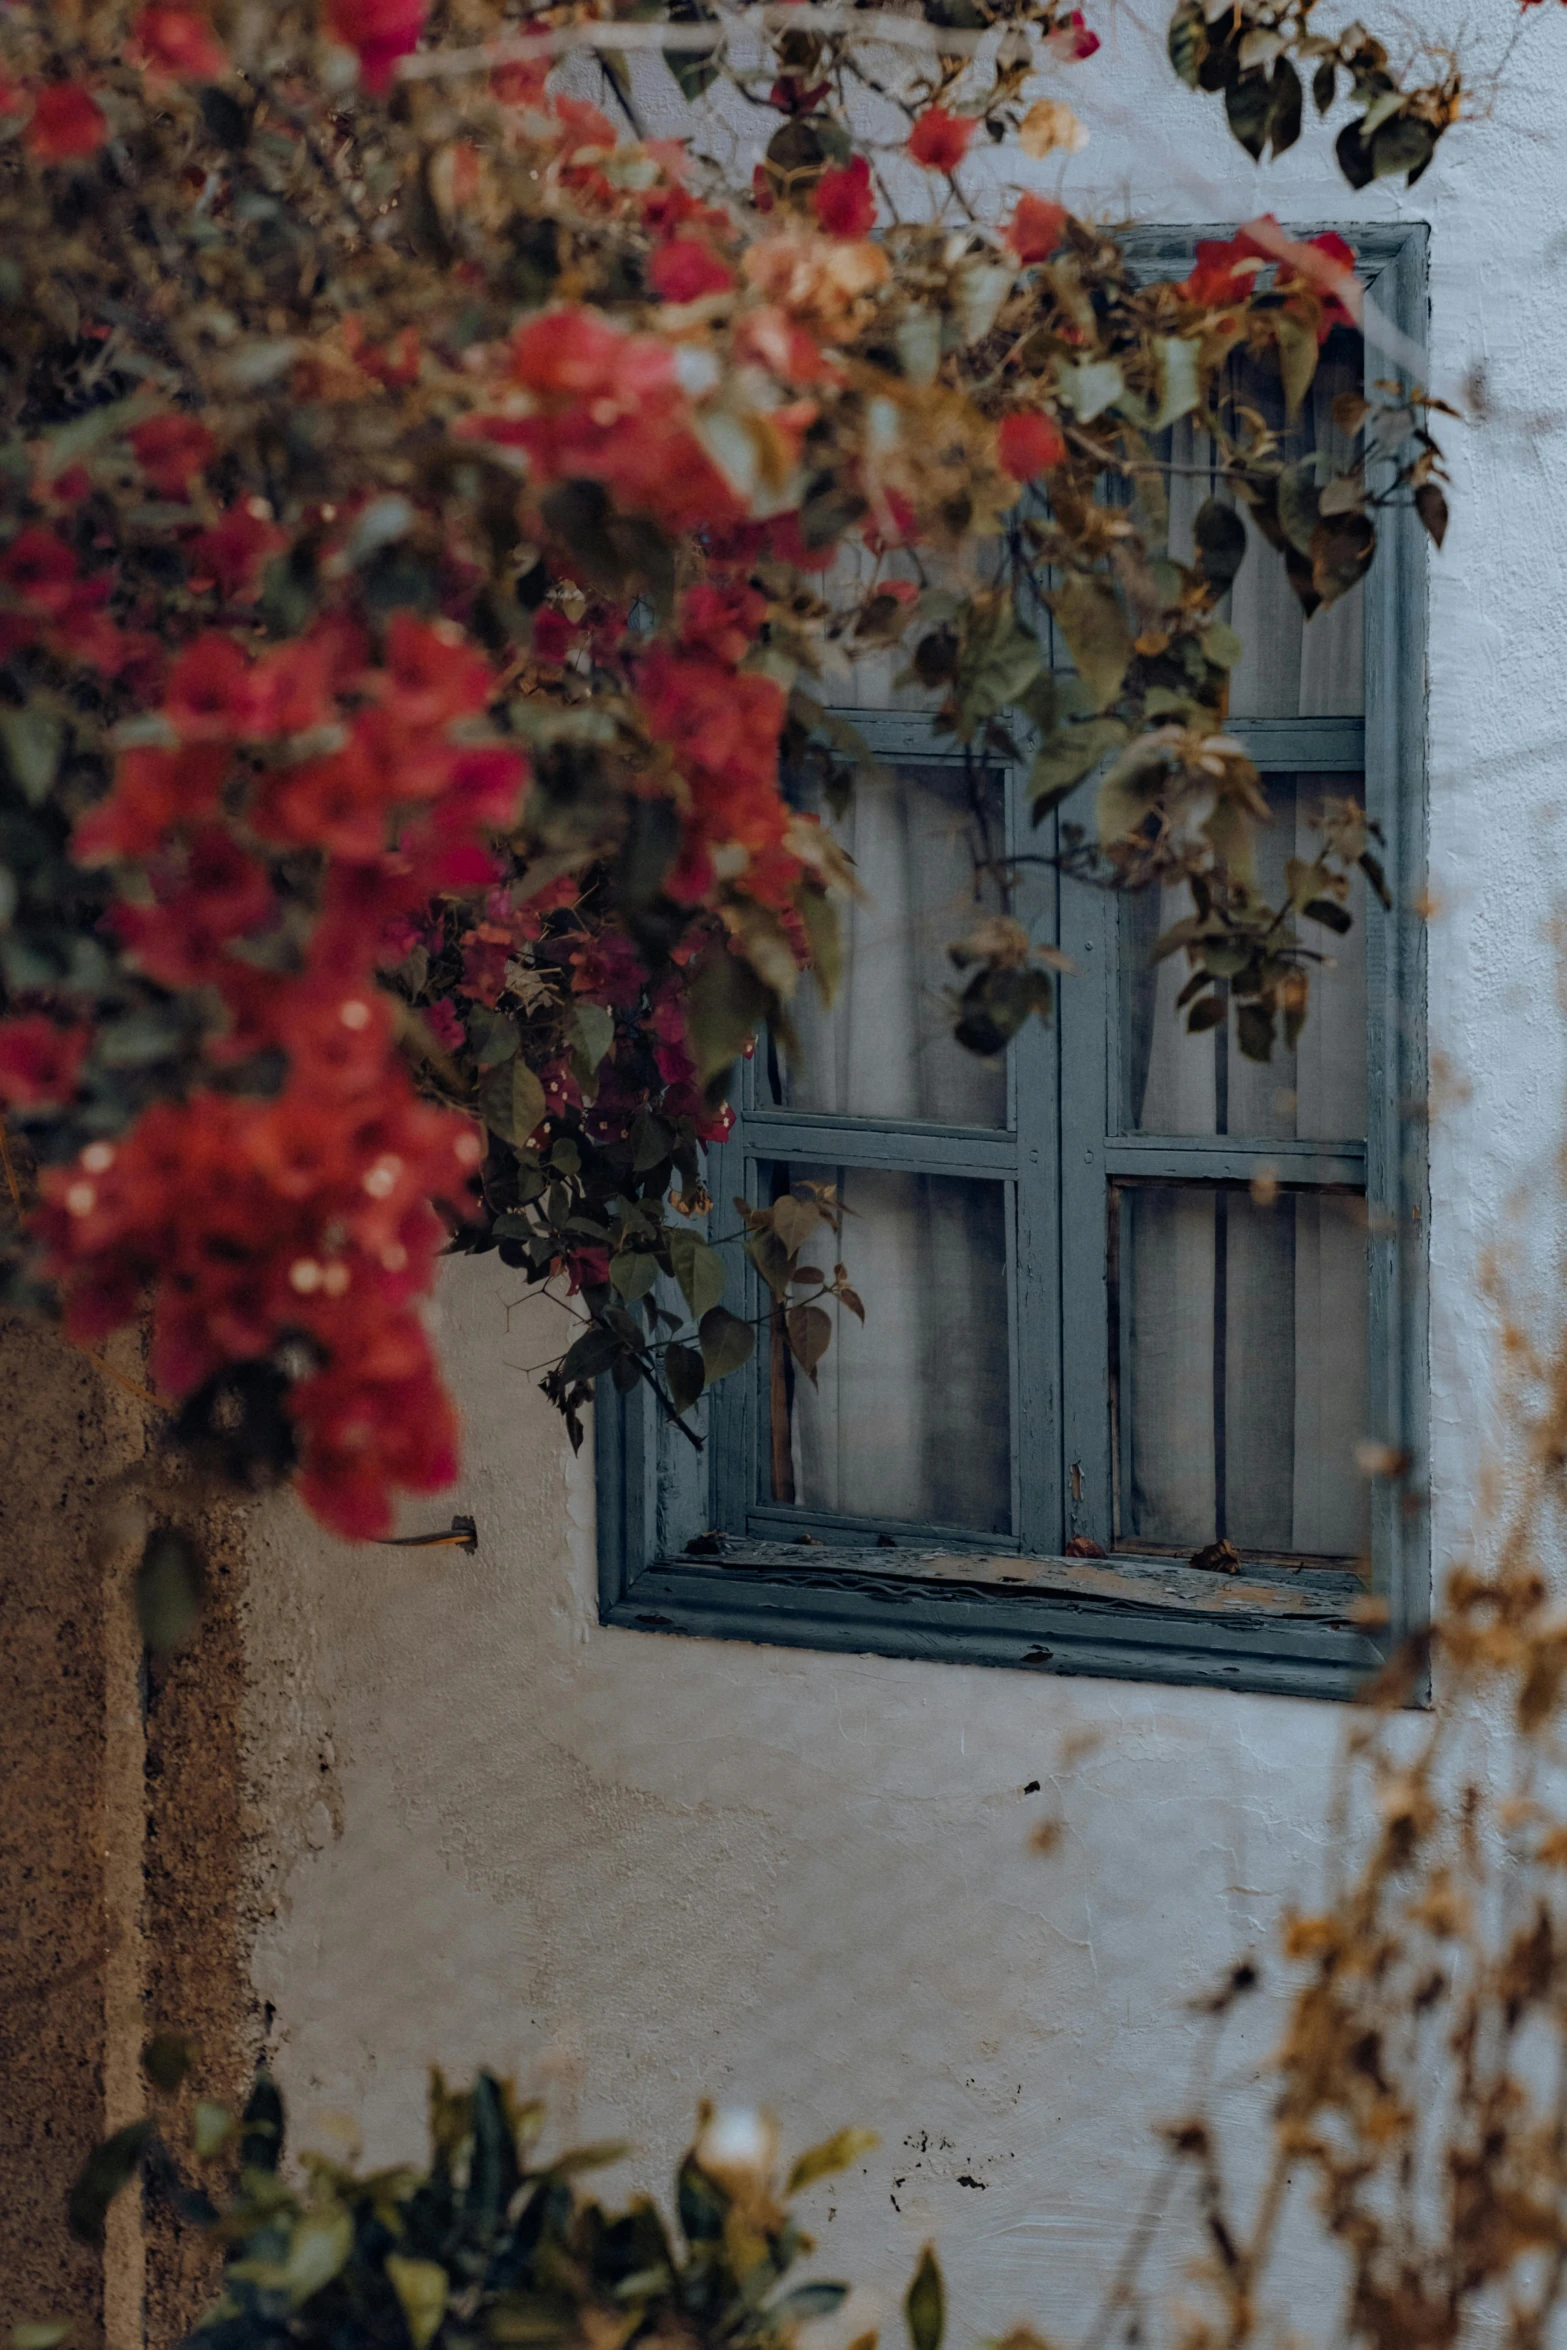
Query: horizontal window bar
1225	1158
864	1142
832	1530
1290	744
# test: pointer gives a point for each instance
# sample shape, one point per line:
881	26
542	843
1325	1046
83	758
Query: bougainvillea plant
424	511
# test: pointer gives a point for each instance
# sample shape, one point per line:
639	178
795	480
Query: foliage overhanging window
1141	1305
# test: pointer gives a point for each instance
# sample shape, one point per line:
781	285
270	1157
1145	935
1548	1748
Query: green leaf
727	1342
806	2301
998	663
1129	789
794	1220
1284	110
169	1585
685	1375
1431	507
511	1100
590	1354
632	1273
1207	1012
1180	379
1188	41
1297	341
212	2127
1248	103
1297	497
261	2137
1324	86
593	1032
699	1271
107	2169
1090	387
318	2248
832	2154
1221	645
492	1038
1330	914
1089	616
1403	144
724	1005
167	2057
809	1332
421	2287
1221	543
926	2306
41	2333
1061	764
1254	1031
1341	552
33	739
820	918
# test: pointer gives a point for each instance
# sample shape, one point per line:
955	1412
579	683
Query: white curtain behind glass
910	1420
1242	1388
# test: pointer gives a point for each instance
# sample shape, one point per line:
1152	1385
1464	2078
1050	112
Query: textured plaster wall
639	1869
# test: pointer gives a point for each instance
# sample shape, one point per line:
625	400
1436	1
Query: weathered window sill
1301	1633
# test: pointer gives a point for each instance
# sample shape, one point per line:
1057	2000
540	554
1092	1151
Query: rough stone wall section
64	1955
121	1842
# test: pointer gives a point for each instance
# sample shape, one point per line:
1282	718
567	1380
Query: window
1132	1295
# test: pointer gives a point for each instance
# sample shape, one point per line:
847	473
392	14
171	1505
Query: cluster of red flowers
1324	266
299	1218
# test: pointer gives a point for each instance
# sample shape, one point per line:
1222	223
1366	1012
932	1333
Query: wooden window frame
1021	1602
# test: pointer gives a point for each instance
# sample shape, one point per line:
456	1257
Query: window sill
1121	1619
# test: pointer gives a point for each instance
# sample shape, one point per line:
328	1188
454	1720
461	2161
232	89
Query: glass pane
1290	667
1176	1083
1242	1376
909	1418
919	836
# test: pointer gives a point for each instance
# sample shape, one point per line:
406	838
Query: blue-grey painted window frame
965	1597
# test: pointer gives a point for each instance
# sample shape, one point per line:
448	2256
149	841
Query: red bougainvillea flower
177	43
939	140
843	201
38	1061
379	32
1071	42
1036	228
1324	266
171	451
1028	442
232	555
1224	272
40	572
686	269
67	123
211	695
153	791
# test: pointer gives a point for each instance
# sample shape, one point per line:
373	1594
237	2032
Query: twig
875	29
131	1386
12	1185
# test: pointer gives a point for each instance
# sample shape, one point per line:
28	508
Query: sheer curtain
1242	1325
910	1418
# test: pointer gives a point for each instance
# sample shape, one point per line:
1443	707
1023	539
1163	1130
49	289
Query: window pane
917	835
1290	667
1242	1377
1176	1083
910	1417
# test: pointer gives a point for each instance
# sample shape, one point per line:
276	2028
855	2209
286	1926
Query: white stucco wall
642	1869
